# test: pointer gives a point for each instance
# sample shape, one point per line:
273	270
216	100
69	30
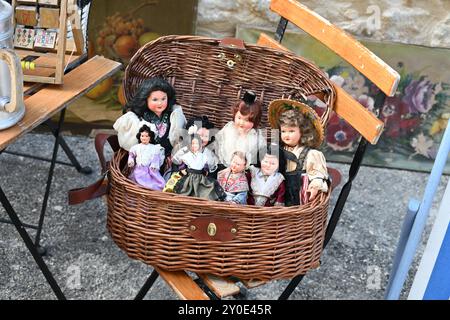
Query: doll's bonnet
277	107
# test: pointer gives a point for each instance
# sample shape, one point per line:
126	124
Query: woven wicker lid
277	107
206	85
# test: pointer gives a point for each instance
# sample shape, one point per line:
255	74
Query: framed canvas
117	29
415	118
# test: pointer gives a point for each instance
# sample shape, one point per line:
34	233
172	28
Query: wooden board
365	122
56	77
49	18
253	283
182	284
53	98
221	287
47	59
375	69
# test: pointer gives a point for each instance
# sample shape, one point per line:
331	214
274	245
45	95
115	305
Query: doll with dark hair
154	105
196	183
240	134
267	187
233	179
204	128
201	126
301	133
145	159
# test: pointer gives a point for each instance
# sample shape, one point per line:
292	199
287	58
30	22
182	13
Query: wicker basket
186	233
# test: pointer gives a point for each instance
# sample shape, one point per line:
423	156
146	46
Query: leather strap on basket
100	187
213	228
95	190
232	43
100	140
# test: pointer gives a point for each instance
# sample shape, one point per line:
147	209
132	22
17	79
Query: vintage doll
145	159
196	183
201	126
241	134
301	133
267	187
233	179
153	105
205	129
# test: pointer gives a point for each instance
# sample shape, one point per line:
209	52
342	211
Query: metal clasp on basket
212	229
235	45
230	64
221	56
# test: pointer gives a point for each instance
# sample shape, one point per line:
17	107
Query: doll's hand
131	164
313	194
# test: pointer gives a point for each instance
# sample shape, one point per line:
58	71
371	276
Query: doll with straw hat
301	133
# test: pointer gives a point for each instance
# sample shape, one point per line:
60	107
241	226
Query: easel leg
56	133
30	245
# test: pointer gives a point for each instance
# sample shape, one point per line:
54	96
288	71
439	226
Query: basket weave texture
153	227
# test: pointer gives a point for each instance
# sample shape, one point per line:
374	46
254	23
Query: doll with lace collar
301	134
145	159
241	134
196	183
204	128
267	187
233	179
154	105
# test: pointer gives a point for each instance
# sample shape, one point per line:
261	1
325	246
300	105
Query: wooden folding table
41	103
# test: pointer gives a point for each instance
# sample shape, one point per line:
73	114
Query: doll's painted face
237	164
145	137
157	102
269	164
242	123
204	135
290	135
195	145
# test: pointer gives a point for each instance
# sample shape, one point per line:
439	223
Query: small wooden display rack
40	38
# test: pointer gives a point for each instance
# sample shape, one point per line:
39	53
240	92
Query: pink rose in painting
420	95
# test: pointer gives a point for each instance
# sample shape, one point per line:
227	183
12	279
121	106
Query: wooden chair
362	59
365	122
362	120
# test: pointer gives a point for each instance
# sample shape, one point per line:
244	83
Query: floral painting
415	117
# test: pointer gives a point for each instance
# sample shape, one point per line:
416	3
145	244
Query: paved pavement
88	265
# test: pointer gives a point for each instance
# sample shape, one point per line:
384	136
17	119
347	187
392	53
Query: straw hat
277	107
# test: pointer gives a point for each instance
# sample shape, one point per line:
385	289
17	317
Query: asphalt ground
88	265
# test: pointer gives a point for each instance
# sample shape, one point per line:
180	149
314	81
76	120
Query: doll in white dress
267	187
241	134
204	128
196	183
145	159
